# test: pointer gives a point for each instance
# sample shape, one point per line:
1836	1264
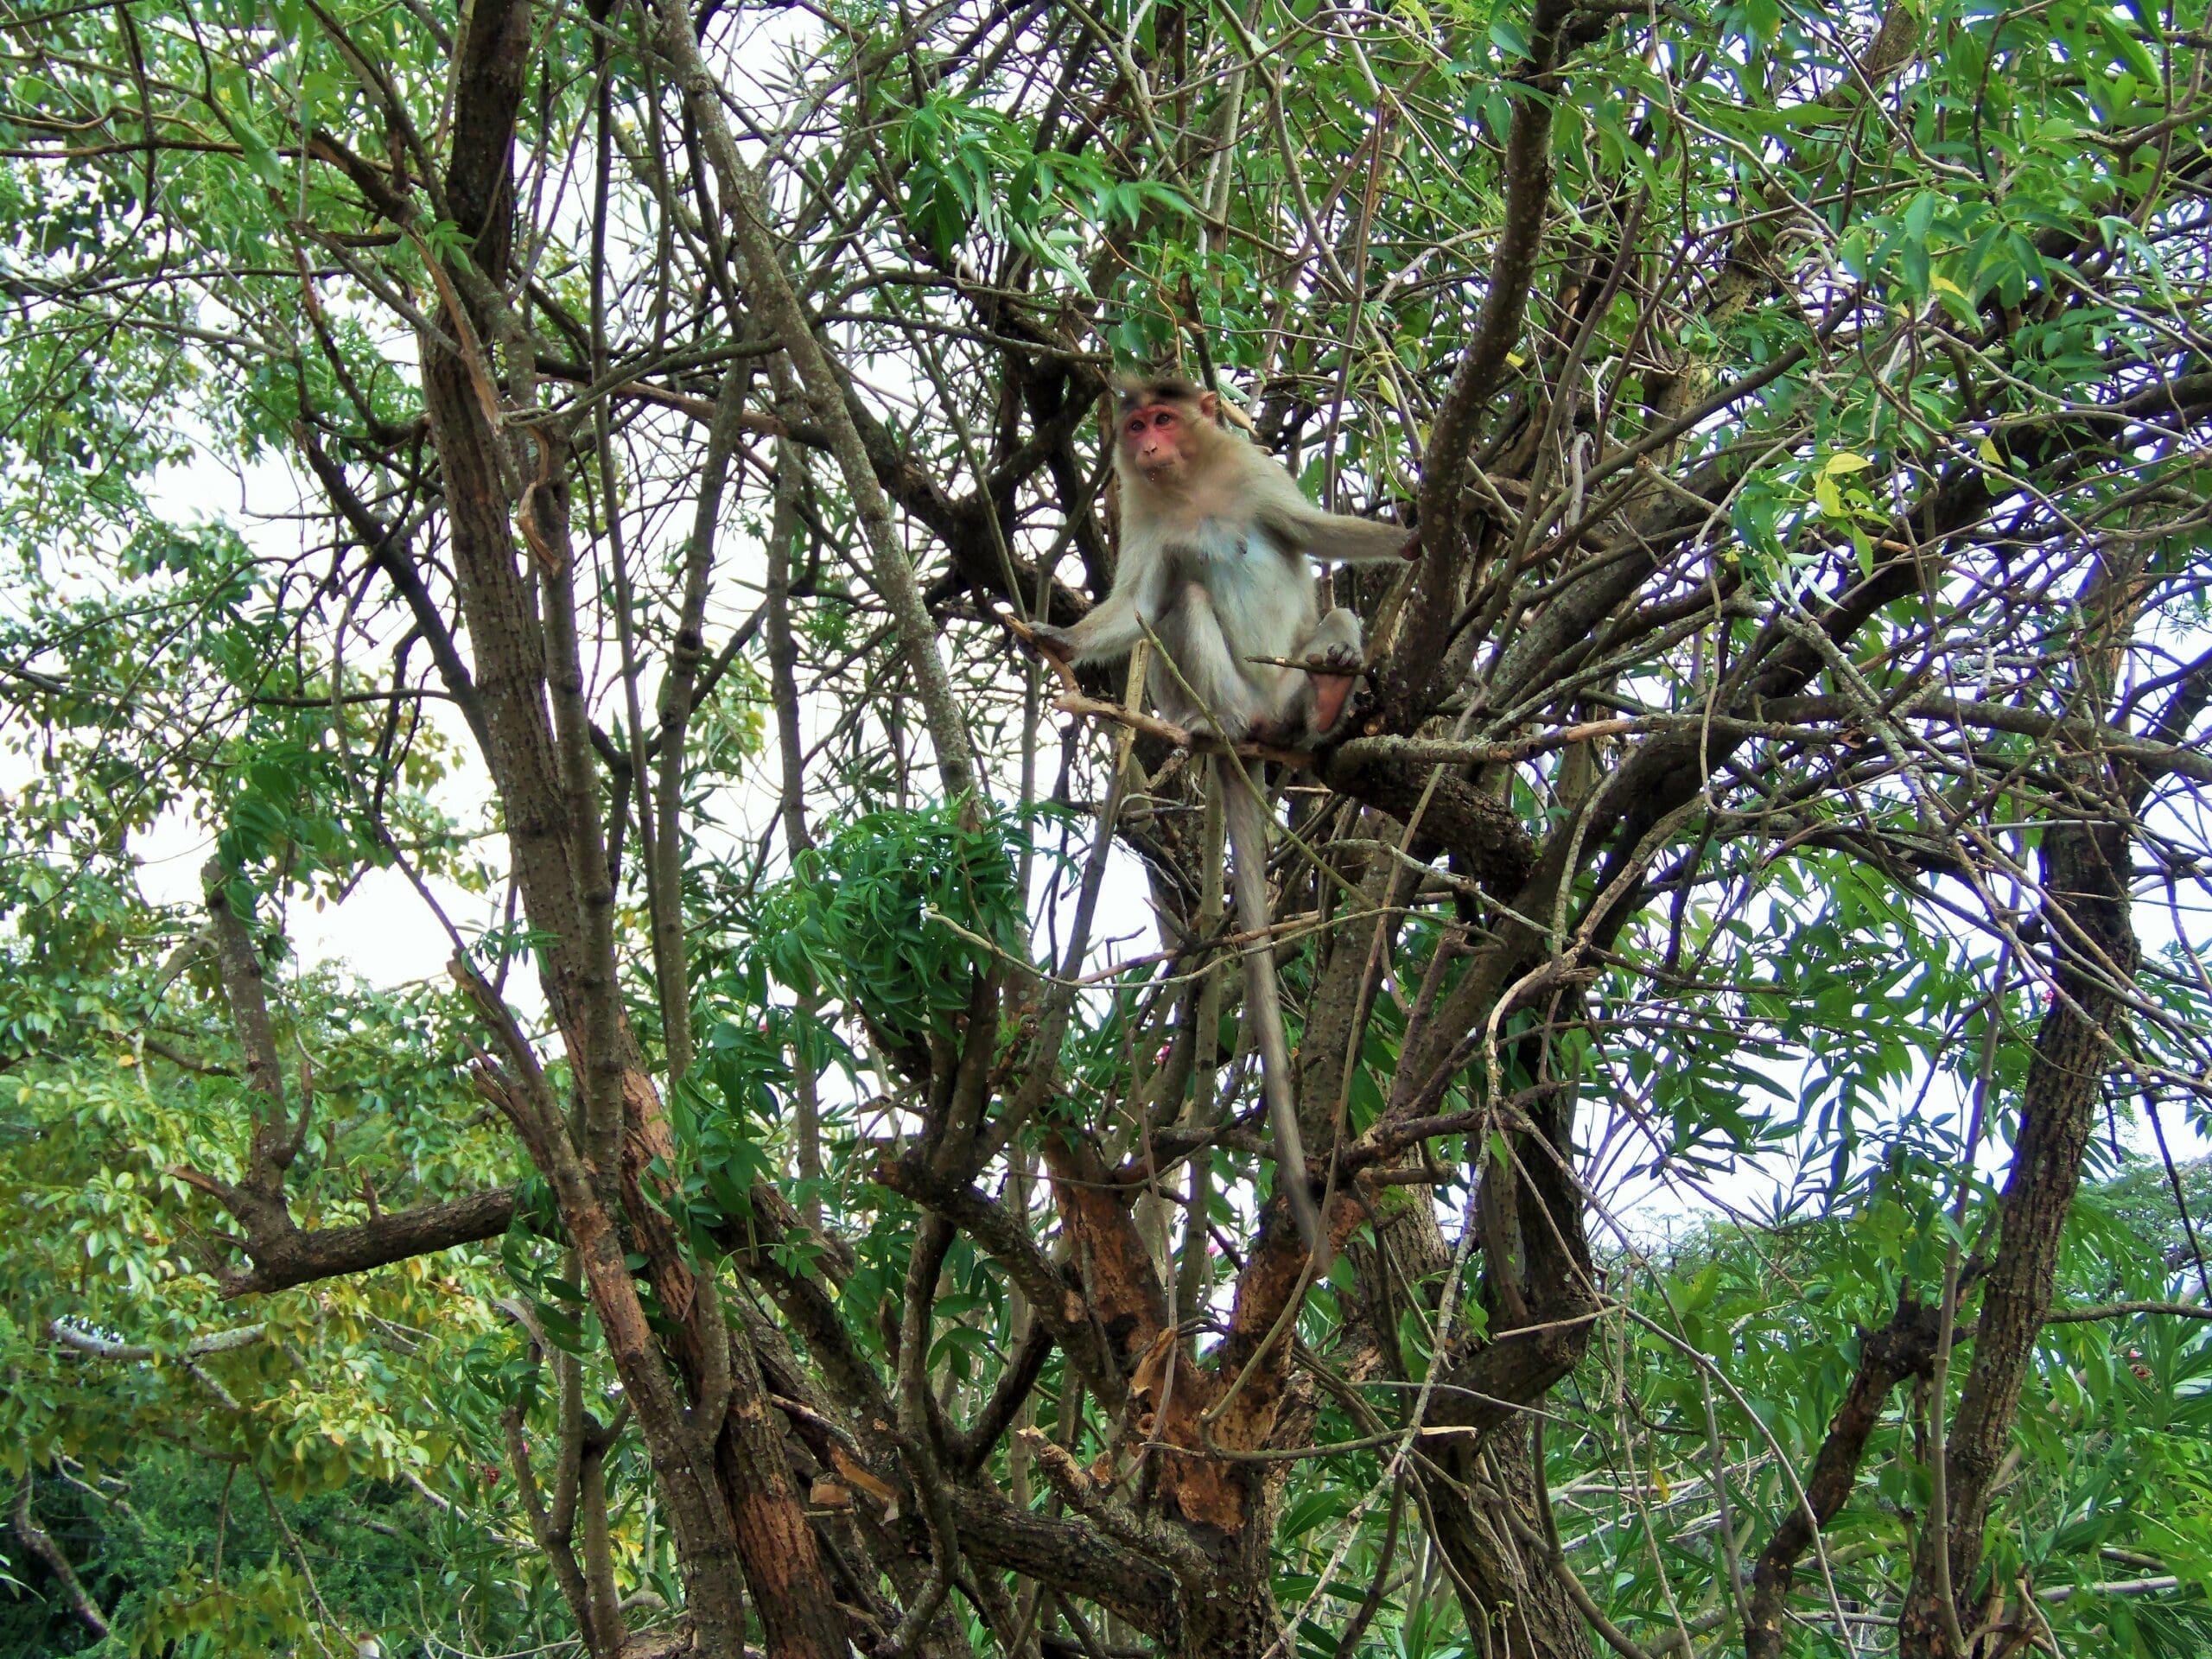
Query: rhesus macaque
1215	537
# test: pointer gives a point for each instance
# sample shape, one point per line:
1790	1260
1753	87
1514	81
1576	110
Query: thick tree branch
302	1255
1905	1347
1410	688
39	1544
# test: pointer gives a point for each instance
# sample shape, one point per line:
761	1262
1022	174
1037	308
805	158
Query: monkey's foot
1335	670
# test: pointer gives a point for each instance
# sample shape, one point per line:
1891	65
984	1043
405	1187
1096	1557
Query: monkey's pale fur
1214	545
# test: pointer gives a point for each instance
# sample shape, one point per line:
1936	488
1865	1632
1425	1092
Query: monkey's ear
1210	405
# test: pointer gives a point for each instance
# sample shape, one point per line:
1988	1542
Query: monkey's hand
1041	638
1409	549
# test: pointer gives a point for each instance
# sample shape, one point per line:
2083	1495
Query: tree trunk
1513	1600
1481	1498
1233	1619
2086	910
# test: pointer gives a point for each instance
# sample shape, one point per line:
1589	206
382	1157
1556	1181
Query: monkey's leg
1191	630
1335	650
1247	819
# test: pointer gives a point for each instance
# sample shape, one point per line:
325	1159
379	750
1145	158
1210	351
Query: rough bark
726	1477
302	1255
281	1253
2086	911
1412	684
1905	1347
1537	1284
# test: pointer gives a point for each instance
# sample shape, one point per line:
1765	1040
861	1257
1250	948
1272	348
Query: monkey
1215	536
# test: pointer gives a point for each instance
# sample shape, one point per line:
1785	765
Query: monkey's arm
1118	620
1335	538
1108	629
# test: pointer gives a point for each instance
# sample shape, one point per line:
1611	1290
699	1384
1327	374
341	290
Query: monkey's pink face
1157	439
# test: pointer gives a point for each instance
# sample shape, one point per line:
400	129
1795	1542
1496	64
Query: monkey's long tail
1247	820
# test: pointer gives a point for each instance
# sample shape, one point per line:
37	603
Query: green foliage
2115	1432
340	1404
897	914
969	170
1958	262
